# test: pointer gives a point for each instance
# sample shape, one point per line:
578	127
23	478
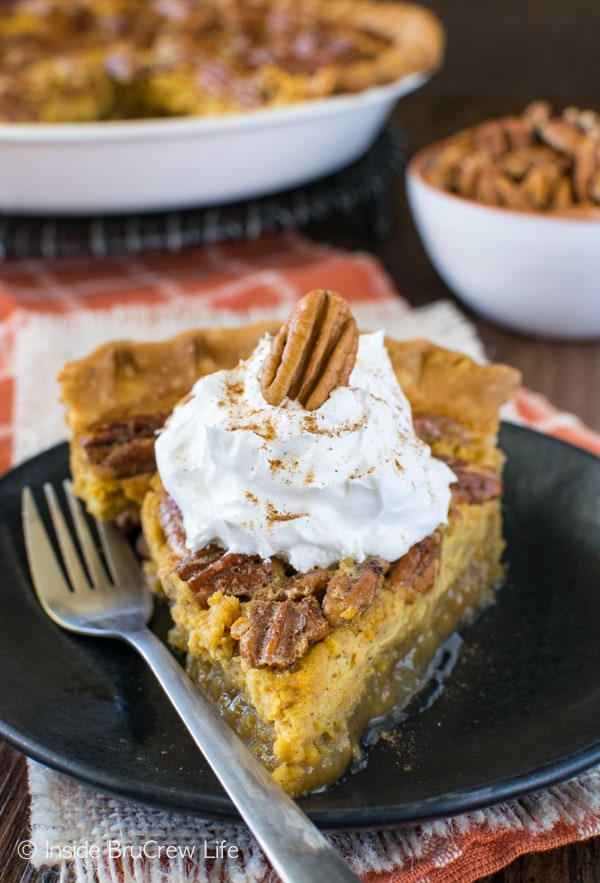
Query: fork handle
297	850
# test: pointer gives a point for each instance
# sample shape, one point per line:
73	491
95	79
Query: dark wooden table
500	56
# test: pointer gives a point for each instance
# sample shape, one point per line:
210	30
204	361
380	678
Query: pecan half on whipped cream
313	353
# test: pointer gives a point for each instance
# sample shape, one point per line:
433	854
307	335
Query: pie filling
305	721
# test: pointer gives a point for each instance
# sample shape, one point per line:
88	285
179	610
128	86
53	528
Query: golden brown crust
444	382
416	38
127	378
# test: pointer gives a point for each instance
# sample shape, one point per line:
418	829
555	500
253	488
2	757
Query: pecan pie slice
299	661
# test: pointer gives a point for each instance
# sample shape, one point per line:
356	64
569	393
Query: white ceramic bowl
539	274
144	165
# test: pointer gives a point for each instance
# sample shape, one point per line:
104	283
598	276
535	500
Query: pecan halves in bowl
313	352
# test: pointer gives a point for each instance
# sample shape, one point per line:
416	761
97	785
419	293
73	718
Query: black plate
521	709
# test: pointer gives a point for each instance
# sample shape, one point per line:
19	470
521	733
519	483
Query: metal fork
120	606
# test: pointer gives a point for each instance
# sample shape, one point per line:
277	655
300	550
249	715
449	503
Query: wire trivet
363	182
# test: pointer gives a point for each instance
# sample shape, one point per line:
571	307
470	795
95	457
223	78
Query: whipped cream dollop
349	479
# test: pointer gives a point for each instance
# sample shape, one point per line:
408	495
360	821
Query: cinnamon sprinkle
274	514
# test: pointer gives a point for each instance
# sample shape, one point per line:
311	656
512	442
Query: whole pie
87	60
321	510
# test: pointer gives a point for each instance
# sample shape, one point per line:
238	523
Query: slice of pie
325	513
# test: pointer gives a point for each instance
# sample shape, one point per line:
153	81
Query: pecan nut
351	590
124	446
209	571
277	634
535	161
415	573
475	483
313	352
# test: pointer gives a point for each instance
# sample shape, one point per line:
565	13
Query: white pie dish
154	165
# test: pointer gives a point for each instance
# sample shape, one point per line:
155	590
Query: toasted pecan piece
474	483
517	163
209	571
586	161
518	131
587	120
540	183
561	135
351	589
538	113
293	588
486	186
191	569
414	574
125	446
313	352
511	194
468	171
594	187
278	633
433	427
277	586
490	138
171	522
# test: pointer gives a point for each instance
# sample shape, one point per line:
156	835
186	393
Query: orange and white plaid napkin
59	309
